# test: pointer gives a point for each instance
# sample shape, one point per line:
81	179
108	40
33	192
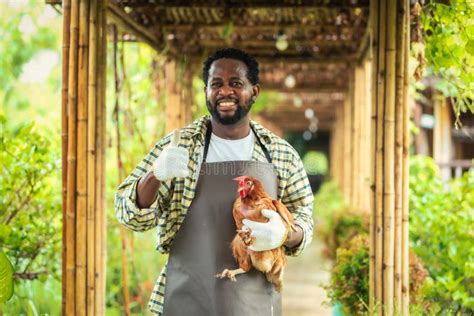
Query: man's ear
255	91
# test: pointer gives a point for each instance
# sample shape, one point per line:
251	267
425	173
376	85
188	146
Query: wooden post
179	93
389	250
347	151
355	136
442	140
83	123
337	146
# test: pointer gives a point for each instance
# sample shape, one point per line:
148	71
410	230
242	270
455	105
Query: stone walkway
302	292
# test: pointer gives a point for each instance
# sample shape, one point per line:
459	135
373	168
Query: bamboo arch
380	73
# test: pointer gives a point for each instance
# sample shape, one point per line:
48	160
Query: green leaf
6	278
470	47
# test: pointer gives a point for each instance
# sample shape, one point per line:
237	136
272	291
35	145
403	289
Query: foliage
350	277
137	109
328	201
315	162
449	46
342	227
337	222
35	298
30	209
441	221
28	35
6	276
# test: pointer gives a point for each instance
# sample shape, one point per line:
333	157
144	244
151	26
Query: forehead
228	68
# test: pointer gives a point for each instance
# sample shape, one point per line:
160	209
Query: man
184	187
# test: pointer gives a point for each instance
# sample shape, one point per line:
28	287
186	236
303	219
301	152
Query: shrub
349	284
441	234
30	207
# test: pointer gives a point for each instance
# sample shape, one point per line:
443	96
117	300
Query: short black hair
232	53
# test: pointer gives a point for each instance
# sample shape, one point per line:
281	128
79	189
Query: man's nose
226	90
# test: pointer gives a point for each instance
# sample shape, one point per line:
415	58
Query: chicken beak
239	179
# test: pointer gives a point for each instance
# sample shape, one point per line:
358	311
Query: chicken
249	205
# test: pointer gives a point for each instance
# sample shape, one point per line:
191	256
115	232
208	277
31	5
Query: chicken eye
249	183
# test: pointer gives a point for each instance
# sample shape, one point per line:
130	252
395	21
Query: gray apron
201	248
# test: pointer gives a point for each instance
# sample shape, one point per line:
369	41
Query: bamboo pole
100	227
405	165
64	137
82	194
389	159
70	231
379	169
399	105
354	136
366	136
374	26
347	144
91	157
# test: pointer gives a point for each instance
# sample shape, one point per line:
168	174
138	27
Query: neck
235	131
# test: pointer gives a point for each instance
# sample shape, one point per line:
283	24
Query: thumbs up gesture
172	162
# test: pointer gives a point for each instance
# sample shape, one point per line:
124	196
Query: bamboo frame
69	227
389	222
379	168
124	21
82	190
100	228
346	188
399	99
389	158
355	106
92	156
374	59
83	146
64	132
405	172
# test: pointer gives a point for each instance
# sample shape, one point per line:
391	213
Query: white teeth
226	103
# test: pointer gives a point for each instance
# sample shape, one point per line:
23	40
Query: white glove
268	235
172	161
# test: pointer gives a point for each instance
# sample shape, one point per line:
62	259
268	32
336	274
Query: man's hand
172	162
268	235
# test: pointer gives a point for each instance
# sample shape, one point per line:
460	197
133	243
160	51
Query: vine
448	28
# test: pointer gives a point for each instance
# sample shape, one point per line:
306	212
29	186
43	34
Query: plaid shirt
175	196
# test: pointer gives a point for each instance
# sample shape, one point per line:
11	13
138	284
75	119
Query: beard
239	113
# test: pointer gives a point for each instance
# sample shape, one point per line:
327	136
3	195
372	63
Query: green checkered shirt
175	196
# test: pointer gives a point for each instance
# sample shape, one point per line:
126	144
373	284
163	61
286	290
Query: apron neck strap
208	140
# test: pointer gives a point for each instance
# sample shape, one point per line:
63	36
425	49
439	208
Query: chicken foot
230	274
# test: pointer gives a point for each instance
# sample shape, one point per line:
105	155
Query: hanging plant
448	28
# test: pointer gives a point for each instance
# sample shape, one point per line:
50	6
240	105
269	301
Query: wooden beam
302	4
214	27
118	16
306	89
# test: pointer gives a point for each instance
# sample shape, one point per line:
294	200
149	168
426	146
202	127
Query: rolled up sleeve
299	199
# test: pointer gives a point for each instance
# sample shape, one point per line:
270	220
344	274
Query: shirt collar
199	129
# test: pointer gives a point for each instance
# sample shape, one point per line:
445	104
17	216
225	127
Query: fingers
253	225
176	137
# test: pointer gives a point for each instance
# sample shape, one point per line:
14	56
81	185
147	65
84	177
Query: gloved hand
268	235
172	161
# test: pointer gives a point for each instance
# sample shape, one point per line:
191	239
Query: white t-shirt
221	149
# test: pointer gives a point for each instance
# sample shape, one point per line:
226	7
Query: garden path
303	294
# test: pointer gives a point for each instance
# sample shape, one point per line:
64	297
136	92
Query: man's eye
236	84
215	84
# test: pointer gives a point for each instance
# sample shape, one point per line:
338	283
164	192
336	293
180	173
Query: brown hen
249	205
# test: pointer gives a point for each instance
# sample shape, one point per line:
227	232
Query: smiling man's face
229	93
